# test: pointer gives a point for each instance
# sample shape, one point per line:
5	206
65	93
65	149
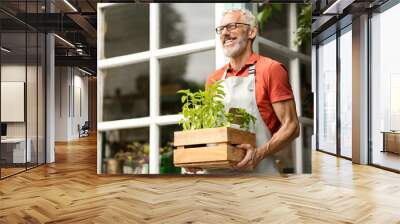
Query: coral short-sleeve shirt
272	85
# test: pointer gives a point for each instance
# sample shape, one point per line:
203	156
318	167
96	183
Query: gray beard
236	49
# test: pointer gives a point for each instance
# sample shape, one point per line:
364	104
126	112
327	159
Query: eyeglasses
229	27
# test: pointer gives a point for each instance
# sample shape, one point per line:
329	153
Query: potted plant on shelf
210	133
119	158
133	159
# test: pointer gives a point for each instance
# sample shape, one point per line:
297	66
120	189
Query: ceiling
328	14
74	22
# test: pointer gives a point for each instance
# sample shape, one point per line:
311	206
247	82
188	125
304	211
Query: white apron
240	92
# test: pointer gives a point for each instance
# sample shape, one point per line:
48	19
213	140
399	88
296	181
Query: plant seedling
205	109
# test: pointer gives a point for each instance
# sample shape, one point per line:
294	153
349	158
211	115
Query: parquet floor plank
70	191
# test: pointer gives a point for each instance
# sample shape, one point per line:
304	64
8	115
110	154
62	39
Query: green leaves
242	118
205	109
303	33
266	13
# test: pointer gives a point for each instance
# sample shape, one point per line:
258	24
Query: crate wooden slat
208	165
222	154
213	135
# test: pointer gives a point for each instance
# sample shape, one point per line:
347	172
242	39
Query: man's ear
253	33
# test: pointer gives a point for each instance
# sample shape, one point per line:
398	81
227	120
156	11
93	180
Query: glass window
327	95
275	28
385	84
126	88
186	23
32	100
266	52
183	72
346	93
22	79
41	98
126	151
125	29
126	92
14	150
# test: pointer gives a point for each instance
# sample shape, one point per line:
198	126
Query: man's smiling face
234	42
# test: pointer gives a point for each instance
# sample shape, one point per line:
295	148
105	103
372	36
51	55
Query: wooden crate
192	149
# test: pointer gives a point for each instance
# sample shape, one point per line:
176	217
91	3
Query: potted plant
210	133
119	162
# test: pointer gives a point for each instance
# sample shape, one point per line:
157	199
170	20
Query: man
272	102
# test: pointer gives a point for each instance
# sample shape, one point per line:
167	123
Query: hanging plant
266	13
303	32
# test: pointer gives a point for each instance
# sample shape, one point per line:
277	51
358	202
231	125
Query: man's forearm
283	137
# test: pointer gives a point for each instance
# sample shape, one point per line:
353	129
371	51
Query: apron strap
225	73
252	71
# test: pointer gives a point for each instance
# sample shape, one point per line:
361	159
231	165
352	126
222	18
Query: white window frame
155	119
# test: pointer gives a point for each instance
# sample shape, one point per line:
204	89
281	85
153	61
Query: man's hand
252	158
193	170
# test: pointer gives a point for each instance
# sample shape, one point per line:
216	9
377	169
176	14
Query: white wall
71	87
61	103
10	73
80	100
33	126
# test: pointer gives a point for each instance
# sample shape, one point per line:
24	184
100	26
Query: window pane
267	52
183	72
385	84
186	23
327	96
32	100
41	99
126	29
345	94
275	28
166	150
126	92
13	84
126	151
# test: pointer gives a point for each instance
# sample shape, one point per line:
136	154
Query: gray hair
248	16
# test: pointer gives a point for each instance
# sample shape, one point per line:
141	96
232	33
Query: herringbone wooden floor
69	191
